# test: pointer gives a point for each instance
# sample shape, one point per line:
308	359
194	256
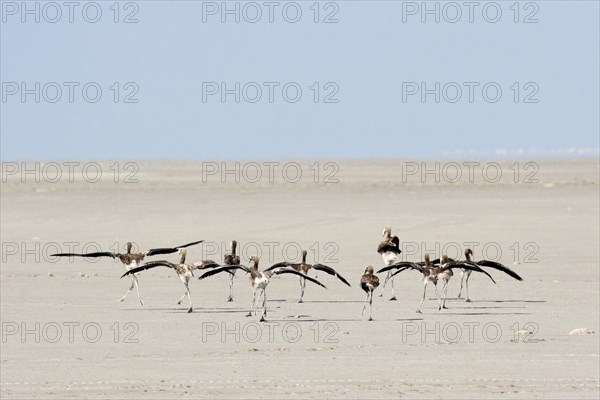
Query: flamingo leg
467	286
252	305
423	299
441	293
182	297
371	306
128	290
462	279
189	297
365	304
302	284
389	275
230	298
264	306
137	289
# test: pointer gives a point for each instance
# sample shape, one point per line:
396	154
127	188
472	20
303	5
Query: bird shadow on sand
201	310
331	301
509	301
450	313
485	307
146	308
205	311
315	301
309	320
313	320
491	301
219	311
409	319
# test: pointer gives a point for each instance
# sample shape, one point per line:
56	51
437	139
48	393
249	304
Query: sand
65	335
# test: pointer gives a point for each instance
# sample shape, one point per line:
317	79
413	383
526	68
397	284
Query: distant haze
379	82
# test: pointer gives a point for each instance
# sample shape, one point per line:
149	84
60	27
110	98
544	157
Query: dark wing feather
210	264
396	242
152	264
499	267
100	254
330	271
469	266
206	264
226	268
166	250
403	264
283	264
169	250
189	244
399	270
437	261
293	271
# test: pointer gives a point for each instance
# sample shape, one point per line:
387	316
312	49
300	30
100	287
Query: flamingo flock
432	271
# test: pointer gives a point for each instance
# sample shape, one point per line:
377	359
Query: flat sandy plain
81	342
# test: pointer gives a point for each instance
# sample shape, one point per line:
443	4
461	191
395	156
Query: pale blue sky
368	54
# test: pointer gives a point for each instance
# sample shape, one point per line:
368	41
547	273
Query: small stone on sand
582	331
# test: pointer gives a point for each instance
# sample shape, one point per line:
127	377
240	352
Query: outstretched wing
404	265
210	264
469	266
189	244
149	265
283	264
499	267
330	271
169	250
206	264
437	261
100	254
224	268
399	270
293	271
